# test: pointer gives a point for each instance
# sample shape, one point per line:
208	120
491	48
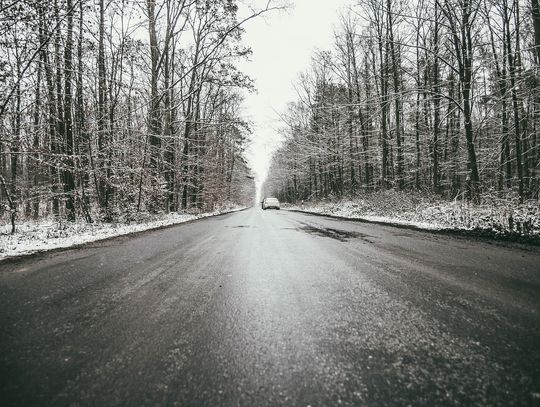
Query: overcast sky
283	44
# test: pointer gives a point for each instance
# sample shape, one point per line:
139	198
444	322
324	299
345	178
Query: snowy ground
495	217
32	237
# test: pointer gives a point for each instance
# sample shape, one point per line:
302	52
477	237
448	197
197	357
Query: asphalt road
265	308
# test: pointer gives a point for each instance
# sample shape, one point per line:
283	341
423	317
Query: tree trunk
536	25
69	179
396	66
153	113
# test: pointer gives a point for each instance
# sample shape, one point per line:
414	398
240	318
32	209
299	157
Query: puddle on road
337	234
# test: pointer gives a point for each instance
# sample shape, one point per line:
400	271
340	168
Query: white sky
283	44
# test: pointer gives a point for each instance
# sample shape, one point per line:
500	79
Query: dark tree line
110	108
433	95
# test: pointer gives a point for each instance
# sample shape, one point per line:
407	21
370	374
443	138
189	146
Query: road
267	308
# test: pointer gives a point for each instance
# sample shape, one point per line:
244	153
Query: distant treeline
434	95
110	108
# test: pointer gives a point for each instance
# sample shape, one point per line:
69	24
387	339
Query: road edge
480	234
79	246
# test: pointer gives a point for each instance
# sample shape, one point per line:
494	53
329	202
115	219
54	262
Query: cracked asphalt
268	308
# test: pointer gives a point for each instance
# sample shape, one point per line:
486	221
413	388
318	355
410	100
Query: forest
113	109
438	97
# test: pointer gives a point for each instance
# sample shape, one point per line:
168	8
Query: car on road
269	203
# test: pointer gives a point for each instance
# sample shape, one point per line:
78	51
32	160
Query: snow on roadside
496	217
32	237
344	213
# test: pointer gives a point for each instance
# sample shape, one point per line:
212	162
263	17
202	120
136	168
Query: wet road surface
264	308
